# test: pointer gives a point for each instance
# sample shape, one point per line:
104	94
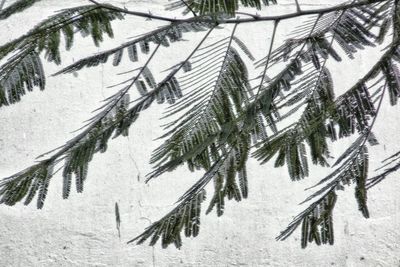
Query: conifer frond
164	35
88	20
289	144
351	115
217	93
214	117
23	71
115	118
185	217
316	222
350	39
27	184
353	169
223	156
210	7
359	120
227	170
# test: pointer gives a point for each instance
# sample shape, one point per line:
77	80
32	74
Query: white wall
81	231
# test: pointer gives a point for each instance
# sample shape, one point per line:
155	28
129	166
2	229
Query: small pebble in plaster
362	258
65	247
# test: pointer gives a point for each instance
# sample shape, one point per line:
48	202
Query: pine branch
22	71
328	110
186	215
79	151
349	170
173	32
207	106
65	19
221	116
328	230
249	20
353	155
320	95
263	75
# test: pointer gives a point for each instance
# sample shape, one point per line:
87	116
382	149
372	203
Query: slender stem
298	6
298	54
248	14
2	4
188	7
247	20
298	124
268	58
206	106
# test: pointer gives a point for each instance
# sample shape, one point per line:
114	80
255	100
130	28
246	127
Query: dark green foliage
88	20
193	137
185	217
28	183
23	70
164	36
25	73
214	115
207	7
316	222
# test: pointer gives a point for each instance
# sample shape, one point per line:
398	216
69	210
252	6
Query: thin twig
298	6
256	16
268	58
188	7
247	20
2	4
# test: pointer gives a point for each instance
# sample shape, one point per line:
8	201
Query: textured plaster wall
81	231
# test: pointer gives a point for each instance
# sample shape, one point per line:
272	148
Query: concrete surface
81	231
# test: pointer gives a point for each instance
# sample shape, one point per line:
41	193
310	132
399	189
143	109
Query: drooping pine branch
22	71
173	31
220	116
354	167
219	20
79	151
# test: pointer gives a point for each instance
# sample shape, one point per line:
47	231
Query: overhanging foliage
218	117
